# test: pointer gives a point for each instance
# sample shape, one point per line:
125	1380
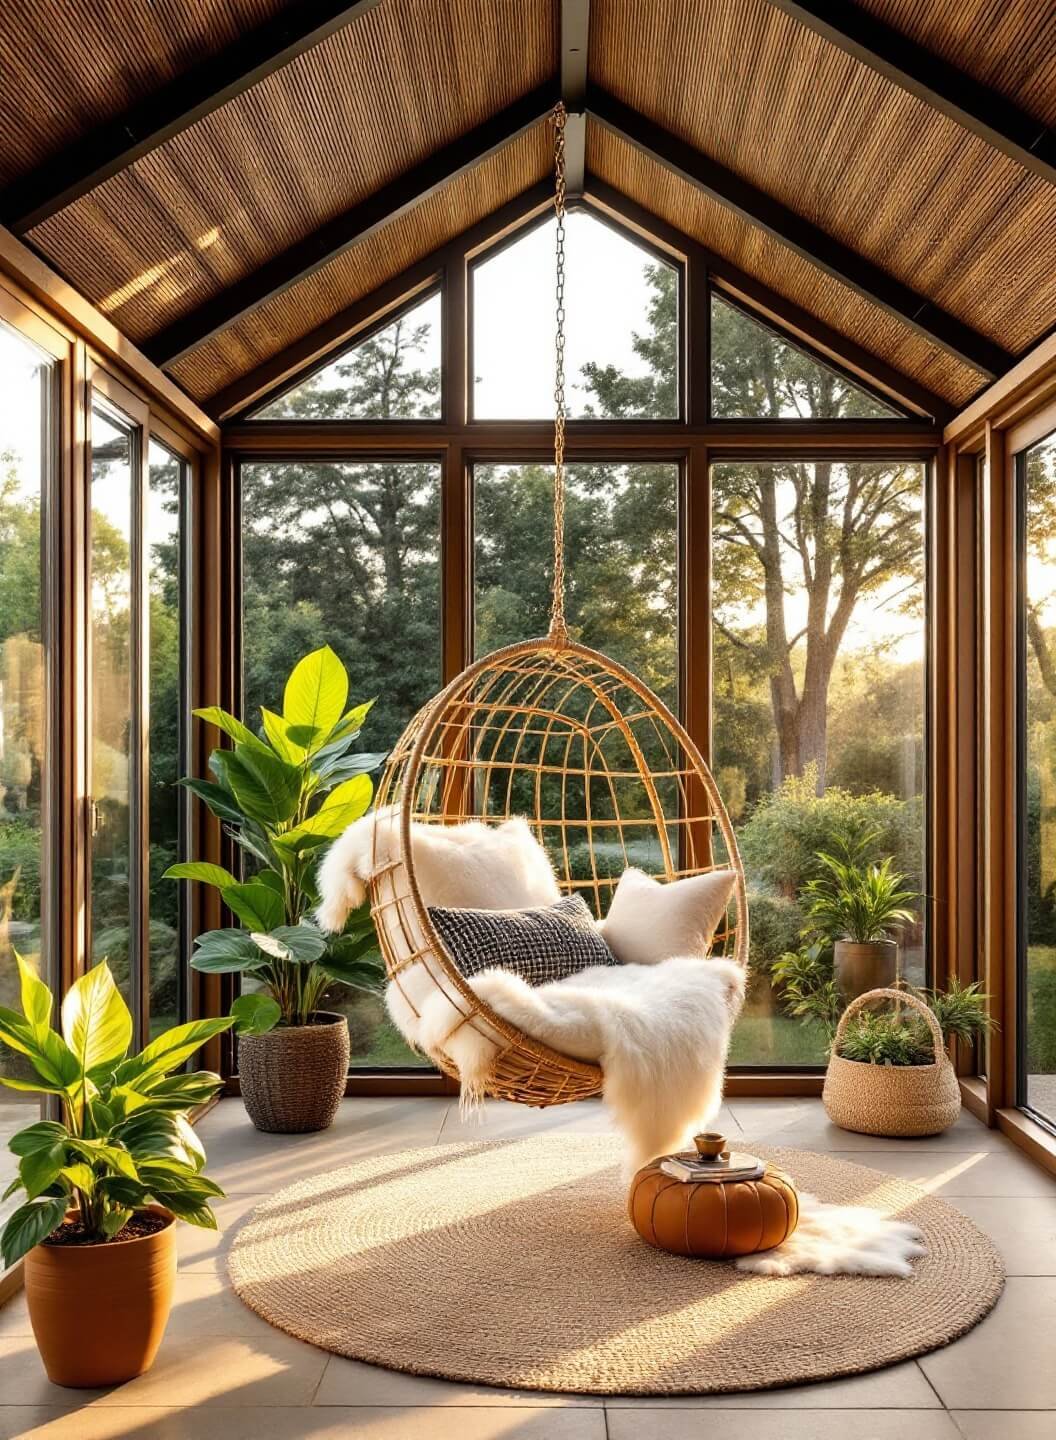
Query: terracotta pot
862	967
293	1078
99	1311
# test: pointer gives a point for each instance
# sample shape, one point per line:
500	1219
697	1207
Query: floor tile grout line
931	1386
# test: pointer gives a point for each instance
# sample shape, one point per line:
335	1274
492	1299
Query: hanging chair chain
558	627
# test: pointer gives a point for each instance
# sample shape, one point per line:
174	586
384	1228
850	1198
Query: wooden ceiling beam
575	38
800	235
174	107
350	228
900	59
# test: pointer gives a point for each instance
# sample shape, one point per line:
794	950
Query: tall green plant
282	795
123	1139
854	901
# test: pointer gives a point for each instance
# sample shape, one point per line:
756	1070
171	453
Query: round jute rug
514	1264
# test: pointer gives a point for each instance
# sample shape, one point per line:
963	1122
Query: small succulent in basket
885	1038
123	1141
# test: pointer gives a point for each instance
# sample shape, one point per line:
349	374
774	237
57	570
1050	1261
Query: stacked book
724	1168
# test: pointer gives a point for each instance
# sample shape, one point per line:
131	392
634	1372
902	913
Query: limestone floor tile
500	1119
193	1371
707	1424
803	1122
953	1173
1023	1228
1005	1424
1005	1363
276	1422
899	1387
349	1382
243	1159
205	1251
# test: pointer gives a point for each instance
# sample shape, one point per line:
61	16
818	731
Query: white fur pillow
649	921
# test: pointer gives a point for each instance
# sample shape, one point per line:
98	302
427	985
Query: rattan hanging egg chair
600	768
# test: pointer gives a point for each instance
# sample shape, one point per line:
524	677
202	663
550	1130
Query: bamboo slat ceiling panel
314	138
875	167
1009	45
71	67
364	267
760	255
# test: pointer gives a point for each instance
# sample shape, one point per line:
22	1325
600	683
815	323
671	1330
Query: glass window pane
110	615
818	701
25	428
758	374
346	555
621	528
1040	757
165	476
621	358
392	375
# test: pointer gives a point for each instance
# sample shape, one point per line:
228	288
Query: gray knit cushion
549	943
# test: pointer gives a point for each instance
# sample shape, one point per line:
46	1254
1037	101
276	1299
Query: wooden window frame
692	441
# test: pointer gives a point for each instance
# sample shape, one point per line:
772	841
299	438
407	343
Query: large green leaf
30	1087
352	795
31	1224
158	1135
183	1091
36	998
96	1022
303	942
80	1176
316	691
339	810
255	1014
202	871
218	800
40	1168
256	905
39	1136
266	787
169	1050
278	733
48	1054
340	769
223	952
188	1208
229	724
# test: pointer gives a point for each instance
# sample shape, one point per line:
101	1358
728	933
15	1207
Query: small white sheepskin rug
841	1240
660	1032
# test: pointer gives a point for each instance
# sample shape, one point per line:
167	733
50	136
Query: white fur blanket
659	1032
841	1240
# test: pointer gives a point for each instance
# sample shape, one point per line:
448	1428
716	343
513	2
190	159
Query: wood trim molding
58	301
1030	381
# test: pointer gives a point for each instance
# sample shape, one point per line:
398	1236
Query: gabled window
759	374
394	374
622	327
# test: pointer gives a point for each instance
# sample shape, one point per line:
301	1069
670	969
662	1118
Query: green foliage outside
124	1139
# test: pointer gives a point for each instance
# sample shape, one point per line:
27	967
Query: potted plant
889	1072
282	794
853	905
104	1183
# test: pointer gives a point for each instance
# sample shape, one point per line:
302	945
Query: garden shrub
774	923
1041	1031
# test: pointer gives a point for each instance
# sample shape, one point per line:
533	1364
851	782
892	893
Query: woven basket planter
293	1078
899	1100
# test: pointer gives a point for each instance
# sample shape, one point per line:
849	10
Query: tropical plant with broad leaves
851	900
124	1139
282	795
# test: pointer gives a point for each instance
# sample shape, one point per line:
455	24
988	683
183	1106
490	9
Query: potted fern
283	794
853	906
103	1184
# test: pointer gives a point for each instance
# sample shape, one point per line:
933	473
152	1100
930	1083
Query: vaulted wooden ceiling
222	177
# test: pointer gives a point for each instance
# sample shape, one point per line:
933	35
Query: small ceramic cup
710	1145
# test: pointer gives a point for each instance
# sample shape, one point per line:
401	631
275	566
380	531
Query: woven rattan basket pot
293	1077
901	1100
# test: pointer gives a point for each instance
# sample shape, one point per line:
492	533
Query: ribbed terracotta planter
99	1311
293	1078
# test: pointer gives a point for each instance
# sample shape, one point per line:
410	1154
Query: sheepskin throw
649	921
539	945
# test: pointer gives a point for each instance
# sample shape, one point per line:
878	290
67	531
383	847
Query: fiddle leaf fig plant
124	1139
283	795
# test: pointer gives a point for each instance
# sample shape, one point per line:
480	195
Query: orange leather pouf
713	1221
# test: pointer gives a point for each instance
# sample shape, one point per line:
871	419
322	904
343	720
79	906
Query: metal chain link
558	627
